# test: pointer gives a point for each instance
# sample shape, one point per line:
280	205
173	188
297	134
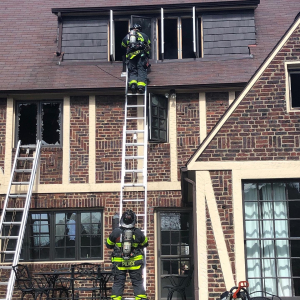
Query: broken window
158	118
295	88
179	37
39	120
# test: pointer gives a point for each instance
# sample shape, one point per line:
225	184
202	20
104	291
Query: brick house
225	75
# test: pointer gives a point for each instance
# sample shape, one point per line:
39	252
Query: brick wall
159	162
260	128
51	165
79	138
216	105
2	131
109	134
187	112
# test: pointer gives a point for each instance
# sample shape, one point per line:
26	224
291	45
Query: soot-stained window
39	120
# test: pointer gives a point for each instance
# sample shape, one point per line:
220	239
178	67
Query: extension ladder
15	211
134	160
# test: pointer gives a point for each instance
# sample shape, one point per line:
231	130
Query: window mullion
111	36
179	38
162	33
194	33
39	121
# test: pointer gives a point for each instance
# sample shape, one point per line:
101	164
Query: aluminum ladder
15	211
134	160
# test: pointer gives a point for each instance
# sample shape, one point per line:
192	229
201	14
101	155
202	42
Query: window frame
260	238
196	33
151	139
52	234
290	67
39	120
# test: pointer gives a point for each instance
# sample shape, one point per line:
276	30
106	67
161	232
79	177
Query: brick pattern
79	139
109	134
2	131
51	165
260	128
159	162
188	137
216	105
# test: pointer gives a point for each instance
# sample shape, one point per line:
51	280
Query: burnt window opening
40	120
121	29
158	119
179	39
295	88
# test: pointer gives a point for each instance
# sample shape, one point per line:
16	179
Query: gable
257	125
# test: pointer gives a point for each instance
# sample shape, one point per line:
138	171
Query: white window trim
288	97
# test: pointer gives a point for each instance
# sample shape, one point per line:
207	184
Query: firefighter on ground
137	45
128	243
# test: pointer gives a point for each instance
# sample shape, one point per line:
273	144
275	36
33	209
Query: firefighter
137	45
128	243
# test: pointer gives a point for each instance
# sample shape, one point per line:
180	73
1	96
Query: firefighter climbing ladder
134	159
15	211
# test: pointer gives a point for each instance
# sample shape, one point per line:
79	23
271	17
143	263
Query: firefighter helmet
136	26
128	219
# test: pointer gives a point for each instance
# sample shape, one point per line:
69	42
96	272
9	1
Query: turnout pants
119	283
137	73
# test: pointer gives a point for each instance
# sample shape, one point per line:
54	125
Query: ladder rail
18	247
135	154
9	186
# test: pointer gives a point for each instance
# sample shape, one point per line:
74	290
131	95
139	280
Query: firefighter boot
133	88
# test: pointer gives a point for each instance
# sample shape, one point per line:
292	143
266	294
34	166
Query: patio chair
28	285
86	278
179	284
264	296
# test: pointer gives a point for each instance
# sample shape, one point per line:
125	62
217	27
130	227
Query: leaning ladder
134	160
15	211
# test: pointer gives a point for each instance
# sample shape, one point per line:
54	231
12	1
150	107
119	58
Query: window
179	37
39	120
73	235
295	88
158	112
175	246
272	236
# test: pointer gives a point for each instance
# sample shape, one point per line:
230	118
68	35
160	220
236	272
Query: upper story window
175	33
294	76
39	120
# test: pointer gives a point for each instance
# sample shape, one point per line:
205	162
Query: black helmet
128	219
136	26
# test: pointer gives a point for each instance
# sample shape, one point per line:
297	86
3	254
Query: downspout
195	248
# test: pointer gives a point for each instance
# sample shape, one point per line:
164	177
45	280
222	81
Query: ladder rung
28	147
133	171
136	105
134	157
25	158
140	215
6	267
135	118
134	144
13	237
20	183
133	200
17	196
14	209
7	252
12	223
133	184
135	94
23	170
4	283
135	131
